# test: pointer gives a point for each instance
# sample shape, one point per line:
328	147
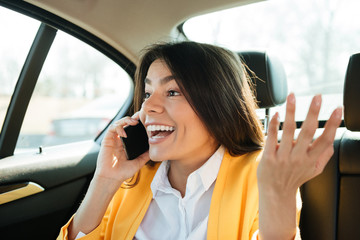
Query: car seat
331	208
349	156
268	78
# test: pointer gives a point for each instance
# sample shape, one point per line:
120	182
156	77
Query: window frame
25	85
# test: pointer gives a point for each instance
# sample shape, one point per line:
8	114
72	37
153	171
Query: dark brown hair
216	85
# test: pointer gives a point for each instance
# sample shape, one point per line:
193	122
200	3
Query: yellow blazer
233	210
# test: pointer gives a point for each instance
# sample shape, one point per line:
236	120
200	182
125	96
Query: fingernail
338	112
277	115
291	98
317	100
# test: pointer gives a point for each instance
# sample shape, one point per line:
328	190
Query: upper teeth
159	128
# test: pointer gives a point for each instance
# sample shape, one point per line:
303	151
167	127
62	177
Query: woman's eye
146	95
173	93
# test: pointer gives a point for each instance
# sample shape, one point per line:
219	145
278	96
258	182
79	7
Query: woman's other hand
285	166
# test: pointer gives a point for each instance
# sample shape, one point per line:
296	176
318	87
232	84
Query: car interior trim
17	191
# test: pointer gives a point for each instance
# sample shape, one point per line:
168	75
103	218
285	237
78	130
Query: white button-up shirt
170	216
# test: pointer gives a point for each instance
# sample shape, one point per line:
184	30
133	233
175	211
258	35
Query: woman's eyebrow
163	80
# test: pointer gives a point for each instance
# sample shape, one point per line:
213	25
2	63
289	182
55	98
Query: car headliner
130	25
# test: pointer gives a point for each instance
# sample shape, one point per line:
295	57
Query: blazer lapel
234	204
134	204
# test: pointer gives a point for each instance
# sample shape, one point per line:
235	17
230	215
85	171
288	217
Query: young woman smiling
206	180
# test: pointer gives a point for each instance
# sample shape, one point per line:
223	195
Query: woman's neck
180	170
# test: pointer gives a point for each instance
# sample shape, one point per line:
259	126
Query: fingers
118	126
271	141
119	149
326	140
323	159
296	162
309	126
136	115
288	127
143	158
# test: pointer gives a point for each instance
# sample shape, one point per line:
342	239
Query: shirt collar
207	173
160	180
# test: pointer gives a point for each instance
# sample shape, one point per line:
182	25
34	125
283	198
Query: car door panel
64	172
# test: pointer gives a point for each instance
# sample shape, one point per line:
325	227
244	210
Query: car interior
41	188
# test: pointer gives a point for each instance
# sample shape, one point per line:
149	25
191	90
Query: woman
205	142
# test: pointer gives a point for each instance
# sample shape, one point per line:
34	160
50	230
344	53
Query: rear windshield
313	40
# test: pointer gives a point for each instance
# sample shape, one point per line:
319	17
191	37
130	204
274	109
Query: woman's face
175	131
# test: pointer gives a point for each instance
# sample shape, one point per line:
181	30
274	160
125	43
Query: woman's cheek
142	114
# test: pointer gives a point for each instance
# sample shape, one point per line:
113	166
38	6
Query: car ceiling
130	25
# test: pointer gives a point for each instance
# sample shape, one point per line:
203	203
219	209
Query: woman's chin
157	156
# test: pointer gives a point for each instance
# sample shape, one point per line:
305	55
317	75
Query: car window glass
17	34
78	92
313	39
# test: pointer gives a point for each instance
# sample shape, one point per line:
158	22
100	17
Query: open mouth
159	131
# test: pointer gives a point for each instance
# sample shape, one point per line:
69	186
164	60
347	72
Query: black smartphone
136	142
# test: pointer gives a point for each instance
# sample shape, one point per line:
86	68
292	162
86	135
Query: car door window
17	34
78	92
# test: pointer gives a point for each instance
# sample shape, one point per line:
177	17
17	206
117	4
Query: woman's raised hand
112	164
285	166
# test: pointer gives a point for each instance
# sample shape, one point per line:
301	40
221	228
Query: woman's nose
153	104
